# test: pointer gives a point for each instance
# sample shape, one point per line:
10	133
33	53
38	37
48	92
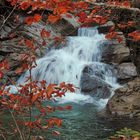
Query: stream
81	55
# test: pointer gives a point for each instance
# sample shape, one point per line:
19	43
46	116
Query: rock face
135	54
115	52
126	101
127	64
125	57
13	49
126	72
95	86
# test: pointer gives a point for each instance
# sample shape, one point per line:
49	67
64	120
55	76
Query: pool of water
83	123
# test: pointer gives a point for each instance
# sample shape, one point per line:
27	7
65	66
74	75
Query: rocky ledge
125	57
126	101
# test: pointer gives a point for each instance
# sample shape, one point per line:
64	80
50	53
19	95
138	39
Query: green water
83	123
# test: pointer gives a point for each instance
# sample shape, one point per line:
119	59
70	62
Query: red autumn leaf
111	35
29	124
29	20
45	34
37	18
19	70
54	121
119	39
99	19
43	83
29	43
43	110
25	66
24	5
81	5
53	18
13	2
34	98
44	43
112	29
126	4
1	74
4	103
62	10
135	35
68	15
4	65
82	16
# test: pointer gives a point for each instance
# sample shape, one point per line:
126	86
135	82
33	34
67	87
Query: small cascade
69	63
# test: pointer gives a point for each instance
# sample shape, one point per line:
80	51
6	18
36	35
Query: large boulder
94	86
126	101
115	52
126	72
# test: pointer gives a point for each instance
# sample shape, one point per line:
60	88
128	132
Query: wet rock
115	52
99	70
126	72
126	100
121	54
94	86
106	27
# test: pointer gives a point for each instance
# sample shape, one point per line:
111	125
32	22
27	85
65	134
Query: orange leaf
82	16
29	20
126	4
24	5
45	33
34	98
53	18
29	43
111	35
68	15
1	74
4	65
37	18
119	39
135	35
19	70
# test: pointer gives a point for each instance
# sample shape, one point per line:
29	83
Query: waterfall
67	64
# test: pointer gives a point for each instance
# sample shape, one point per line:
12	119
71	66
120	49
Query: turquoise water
83	123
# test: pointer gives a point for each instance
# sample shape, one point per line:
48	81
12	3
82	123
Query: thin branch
8	17
21	137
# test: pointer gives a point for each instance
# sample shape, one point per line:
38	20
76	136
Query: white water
67	64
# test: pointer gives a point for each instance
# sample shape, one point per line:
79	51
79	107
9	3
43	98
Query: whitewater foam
66	65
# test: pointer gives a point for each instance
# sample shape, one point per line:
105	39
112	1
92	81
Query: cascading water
67	64
78	60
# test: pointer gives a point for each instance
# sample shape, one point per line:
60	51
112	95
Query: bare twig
5	20
20	133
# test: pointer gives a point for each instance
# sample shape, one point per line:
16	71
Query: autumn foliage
34	95
29	97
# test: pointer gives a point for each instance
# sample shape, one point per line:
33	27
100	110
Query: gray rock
126	100
126	72
94	86
106	27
